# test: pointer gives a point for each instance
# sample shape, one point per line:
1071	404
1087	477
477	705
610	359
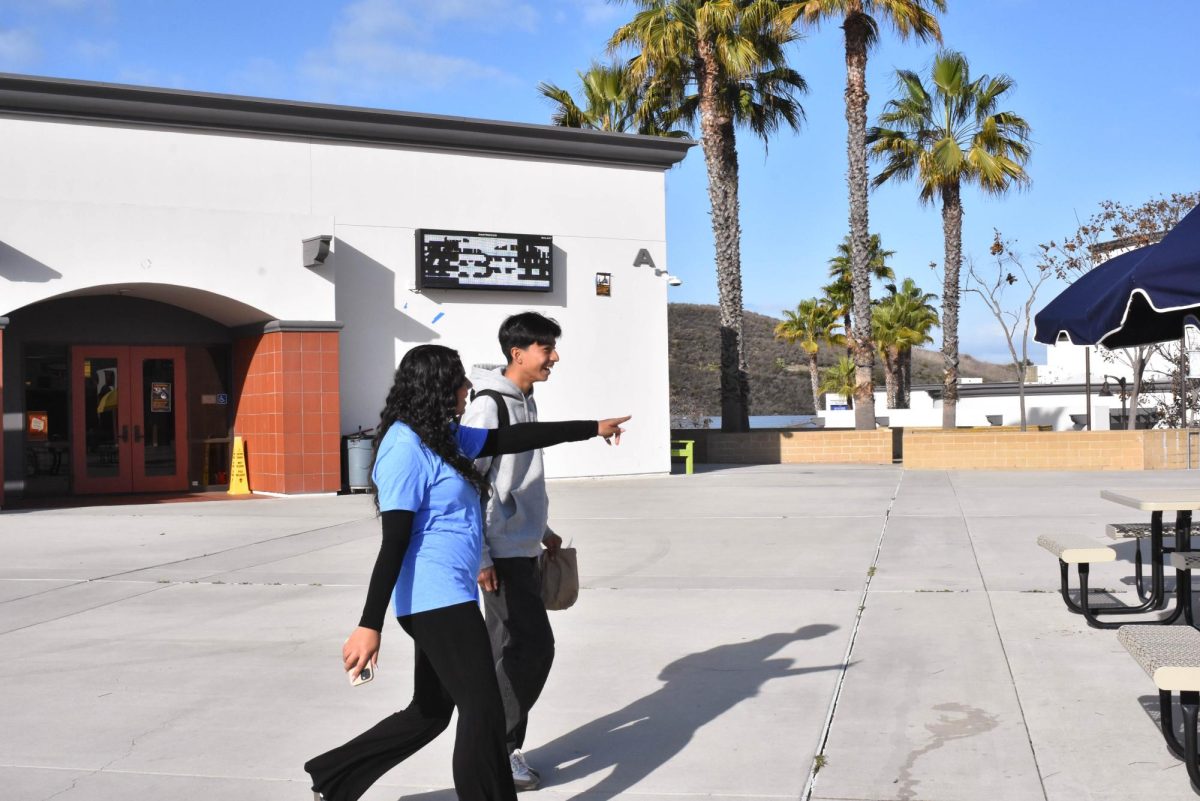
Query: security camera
673	280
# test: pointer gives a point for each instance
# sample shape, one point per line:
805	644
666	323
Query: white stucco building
232	265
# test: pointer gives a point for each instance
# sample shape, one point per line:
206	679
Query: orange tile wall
288	410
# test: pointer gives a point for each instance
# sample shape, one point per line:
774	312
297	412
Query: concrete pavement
733	624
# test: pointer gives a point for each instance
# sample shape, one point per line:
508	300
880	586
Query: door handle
124	433
137	433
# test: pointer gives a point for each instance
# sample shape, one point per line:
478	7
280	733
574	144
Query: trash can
360	456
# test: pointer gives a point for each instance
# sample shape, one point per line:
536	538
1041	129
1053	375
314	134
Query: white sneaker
524	777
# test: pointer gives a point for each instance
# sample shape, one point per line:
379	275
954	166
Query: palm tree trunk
720	157
814	375
891	370
952	231
905	378
847	324
857	32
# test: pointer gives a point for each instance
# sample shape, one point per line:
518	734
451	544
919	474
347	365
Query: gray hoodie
515	520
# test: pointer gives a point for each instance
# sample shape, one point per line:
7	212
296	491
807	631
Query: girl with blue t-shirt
429	498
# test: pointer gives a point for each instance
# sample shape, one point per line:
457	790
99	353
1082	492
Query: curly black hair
424	397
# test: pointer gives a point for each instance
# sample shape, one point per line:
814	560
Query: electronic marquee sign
467	260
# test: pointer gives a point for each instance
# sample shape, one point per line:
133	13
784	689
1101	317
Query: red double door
130	419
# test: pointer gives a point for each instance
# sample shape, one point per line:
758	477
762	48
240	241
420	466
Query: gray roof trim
3	323
301	325
997	388
1127	243
120	103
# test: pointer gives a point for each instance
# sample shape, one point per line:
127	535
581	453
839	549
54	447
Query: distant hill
779	382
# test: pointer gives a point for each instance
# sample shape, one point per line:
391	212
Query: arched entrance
140	388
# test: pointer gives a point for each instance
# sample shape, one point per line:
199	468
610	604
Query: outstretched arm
531	436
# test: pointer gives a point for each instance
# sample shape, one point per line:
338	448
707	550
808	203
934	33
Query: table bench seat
1125	531
1170	655
1076	549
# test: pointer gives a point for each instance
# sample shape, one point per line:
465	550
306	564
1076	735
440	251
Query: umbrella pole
1183	388
1087	384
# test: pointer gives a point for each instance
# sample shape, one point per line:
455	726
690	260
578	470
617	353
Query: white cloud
385	47
521	16
18	49
591	12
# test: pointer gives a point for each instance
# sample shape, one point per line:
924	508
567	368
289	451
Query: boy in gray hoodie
516	528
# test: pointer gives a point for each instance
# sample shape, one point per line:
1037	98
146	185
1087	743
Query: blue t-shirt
442	561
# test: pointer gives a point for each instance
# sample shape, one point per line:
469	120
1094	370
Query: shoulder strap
502	418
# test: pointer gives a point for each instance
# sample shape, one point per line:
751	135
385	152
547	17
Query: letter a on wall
643	259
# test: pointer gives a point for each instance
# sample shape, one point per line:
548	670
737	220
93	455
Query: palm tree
719	64
841	378
813	323
612	101
841	291
858	18
945	136
922	318
901	322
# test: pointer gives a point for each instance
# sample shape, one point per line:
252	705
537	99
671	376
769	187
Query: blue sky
1109	87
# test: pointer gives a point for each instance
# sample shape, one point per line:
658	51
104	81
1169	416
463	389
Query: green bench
682	449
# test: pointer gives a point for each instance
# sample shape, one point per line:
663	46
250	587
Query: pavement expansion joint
819	758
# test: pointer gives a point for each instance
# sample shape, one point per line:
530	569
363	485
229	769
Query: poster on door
160	396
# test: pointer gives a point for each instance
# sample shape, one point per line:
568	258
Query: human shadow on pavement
647	733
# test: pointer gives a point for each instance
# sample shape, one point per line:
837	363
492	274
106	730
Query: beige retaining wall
935	449
962	449
795	447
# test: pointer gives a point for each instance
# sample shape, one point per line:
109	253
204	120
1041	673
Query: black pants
453	669
522	642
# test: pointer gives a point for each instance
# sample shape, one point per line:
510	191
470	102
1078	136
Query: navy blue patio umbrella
1141	297
1093	306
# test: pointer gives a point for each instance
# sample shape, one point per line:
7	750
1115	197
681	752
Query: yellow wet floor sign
238	484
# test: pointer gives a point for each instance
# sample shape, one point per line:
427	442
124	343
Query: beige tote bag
560	578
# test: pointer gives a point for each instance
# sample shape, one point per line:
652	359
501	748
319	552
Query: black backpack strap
502	419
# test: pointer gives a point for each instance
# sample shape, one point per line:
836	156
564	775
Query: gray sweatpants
522	642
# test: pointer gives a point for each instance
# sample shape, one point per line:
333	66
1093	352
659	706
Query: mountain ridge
779	381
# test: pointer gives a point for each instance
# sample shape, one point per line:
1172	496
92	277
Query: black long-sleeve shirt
397	524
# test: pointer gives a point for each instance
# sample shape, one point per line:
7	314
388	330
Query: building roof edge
121	103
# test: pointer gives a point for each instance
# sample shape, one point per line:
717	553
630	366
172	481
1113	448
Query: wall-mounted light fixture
316	250
644	259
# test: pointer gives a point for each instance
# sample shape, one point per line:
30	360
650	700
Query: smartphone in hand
364	675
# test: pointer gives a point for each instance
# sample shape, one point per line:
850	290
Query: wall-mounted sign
37	426
160	396
604	284
465	260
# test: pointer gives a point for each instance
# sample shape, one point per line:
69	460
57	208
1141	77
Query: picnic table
1182	501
